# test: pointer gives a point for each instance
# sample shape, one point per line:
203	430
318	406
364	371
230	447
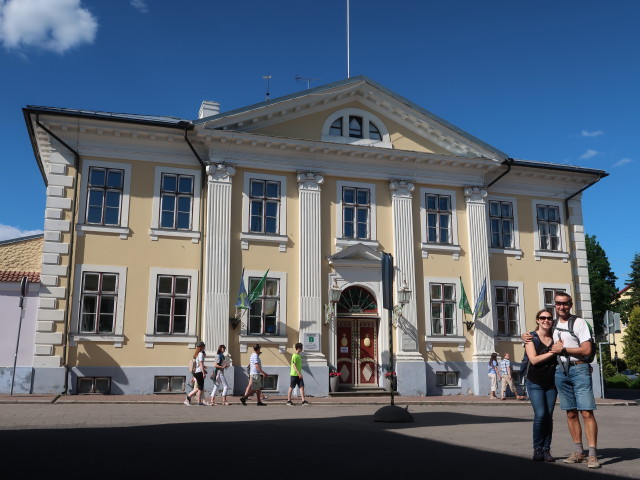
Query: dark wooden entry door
357	345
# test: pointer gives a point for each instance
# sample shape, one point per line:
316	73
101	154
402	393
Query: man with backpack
574	346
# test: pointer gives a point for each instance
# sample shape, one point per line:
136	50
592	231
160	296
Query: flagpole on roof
348	44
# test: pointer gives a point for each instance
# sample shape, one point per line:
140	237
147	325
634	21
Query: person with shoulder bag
218	377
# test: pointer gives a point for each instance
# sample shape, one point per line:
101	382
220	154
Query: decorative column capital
309	180
475	194
220	173
401	188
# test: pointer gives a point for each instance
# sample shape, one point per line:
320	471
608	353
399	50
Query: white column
578	249
484	344
215	324
311	314
404	262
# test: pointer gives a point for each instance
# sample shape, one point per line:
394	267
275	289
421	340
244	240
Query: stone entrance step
360	392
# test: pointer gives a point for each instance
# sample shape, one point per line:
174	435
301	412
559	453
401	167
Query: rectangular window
356	206
549	227
447	379
173	295
438	209
88	385
501	221
98	302
264	201
443	308
263	314
270	383
104	196
168	384
550	299
176	201
507	311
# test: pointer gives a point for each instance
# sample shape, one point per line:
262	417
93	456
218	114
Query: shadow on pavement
306	448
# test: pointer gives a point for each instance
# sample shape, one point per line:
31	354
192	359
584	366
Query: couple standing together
556	368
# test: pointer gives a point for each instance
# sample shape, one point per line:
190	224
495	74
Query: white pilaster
311	314
404	260
580	271
215	324
483	334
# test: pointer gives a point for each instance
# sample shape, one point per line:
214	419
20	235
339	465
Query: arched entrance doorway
357	337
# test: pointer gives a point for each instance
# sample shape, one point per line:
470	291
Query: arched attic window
357	127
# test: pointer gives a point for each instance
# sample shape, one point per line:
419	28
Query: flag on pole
242	302
482	307
464	301
258	290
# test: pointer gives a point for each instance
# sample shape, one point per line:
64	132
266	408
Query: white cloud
55	25
588	154
8	232
622	162
595	133
140	5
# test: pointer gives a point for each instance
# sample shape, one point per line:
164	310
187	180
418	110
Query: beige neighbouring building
150	221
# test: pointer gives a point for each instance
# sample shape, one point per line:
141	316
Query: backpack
572	320
192	366
524	364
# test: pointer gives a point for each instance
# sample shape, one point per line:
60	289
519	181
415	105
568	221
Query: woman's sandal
212	404
226	403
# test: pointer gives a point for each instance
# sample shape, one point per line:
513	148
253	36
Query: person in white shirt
255	378
573	380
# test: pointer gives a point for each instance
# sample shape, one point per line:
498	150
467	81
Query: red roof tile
13	276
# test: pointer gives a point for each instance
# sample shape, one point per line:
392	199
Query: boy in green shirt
296	375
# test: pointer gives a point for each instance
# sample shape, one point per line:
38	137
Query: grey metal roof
558	166
158	120
349	81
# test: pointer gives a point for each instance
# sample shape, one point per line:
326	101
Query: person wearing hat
199	375
255	378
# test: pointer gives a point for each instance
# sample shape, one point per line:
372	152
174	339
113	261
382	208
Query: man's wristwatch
564	351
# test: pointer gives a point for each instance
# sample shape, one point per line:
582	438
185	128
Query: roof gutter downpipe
203	188
508	162
566	201
65	352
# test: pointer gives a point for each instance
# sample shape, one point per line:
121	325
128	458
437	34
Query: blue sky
544	80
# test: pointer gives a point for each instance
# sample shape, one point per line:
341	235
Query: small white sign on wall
311	342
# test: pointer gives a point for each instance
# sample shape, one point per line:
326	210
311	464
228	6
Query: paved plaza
326	440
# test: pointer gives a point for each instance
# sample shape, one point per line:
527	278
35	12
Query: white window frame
117	337
281	339
367	117
156	231
190	338
515	250
246	236
563	253
427	248
522	327
341	242
551	286
457	339
123	229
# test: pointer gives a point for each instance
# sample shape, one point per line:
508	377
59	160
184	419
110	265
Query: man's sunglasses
562	304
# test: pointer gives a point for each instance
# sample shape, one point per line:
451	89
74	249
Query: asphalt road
320	441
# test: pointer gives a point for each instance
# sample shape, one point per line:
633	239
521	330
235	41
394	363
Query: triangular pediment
356	255
303	115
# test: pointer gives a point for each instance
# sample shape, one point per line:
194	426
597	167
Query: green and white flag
464	301
258	290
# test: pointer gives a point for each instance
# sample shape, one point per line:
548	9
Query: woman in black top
541	385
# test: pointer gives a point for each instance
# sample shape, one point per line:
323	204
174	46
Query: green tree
602	282
632	340
634	283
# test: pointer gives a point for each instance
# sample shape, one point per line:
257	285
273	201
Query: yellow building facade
153	223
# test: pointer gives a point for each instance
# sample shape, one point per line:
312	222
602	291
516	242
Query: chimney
208	109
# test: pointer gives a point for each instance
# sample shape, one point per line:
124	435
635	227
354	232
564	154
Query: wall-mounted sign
311	342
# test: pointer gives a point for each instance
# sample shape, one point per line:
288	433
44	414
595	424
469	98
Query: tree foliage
631	339
634	283
602	282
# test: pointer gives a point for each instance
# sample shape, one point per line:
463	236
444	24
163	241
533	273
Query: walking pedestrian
296	376
199	375
218	377
256	375
507	379
493	375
